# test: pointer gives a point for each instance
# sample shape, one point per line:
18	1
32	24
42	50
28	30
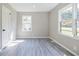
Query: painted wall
39	25
68	42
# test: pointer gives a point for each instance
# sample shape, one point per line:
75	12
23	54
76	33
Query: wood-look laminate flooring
34	47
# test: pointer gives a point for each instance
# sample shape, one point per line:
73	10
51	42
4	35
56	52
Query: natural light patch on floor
14	43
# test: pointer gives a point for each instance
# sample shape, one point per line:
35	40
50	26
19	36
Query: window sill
75	38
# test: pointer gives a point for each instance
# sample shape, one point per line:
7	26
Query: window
26	23
69	20
66	19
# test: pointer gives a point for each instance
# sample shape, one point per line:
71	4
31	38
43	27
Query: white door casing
6	26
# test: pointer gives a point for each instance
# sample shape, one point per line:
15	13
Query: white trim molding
32	37
53	40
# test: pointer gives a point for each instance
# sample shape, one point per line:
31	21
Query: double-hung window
26	23
69	20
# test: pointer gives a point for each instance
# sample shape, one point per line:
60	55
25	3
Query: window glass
66	21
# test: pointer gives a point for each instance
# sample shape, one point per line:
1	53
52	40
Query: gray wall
68	42
0	25
39	25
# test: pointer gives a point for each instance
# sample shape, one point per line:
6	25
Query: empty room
39	29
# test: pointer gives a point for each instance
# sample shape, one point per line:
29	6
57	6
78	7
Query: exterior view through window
66	19
69	20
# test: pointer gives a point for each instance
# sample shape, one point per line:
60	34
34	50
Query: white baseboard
32	37
63	46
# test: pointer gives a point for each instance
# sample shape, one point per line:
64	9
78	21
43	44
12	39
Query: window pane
26	19
27	27
66	21
78	20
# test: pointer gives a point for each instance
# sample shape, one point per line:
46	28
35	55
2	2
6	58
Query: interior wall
66	41
39	25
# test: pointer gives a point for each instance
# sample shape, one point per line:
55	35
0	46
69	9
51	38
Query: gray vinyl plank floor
34	47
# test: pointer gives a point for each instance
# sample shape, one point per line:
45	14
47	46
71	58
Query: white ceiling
33	7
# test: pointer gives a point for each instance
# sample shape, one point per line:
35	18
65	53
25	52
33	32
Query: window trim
59	18
31	24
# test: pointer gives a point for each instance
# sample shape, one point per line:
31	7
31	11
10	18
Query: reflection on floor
34	47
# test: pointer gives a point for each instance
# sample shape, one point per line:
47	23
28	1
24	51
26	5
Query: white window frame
74	25
31	23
